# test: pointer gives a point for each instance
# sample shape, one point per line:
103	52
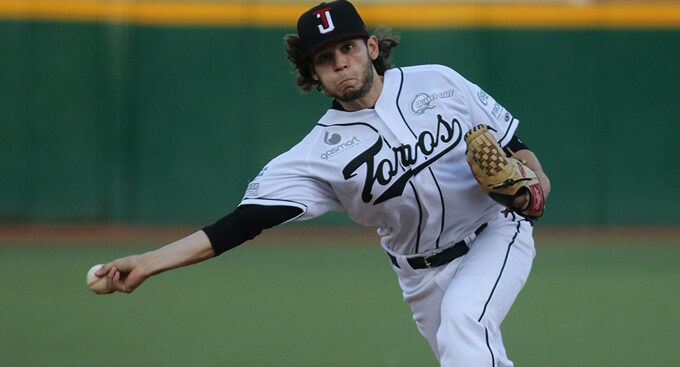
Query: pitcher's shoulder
426	69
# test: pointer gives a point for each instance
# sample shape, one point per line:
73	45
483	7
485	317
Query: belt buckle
427	263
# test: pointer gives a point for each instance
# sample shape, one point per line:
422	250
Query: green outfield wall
167	124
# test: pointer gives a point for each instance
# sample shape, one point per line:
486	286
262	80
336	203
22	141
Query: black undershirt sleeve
515	145
246	222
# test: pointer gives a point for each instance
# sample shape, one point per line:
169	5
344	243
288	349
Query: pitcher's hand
126	273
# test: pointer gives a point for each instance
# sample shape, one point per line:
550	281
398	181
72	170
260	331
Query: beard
352	94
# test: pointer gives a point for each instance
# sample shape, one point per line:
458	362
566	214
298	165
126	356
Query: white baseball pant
459	307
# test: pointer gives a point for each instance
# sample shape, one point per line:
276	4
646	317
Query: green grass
326	306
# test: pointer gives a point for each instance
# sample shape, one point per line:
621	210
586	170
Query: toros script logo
385	171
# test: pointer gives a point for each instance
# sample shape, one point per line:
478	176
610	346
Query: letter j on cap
326	20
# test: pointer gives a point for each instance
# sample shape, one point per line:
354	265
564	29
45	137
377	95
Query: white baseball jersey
399	166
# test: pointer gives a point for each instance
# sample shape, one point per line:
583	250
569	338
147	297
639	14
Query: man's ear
373	48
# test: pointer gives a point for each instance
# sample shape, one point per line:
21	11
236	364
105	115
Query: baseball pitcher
419	152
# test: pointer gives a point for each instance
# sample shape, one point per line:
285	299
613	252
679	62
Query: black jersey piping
351	124
386	142
420	216
493	360
507	130
441	196
359	123
401	84
507	253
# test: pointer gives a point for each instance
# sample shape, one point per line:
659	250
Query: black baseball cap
329	22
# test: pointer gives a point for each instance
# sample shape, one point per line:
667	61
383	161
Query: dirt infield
125	233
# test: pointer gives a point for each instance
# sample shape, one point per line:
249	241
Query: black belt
449	254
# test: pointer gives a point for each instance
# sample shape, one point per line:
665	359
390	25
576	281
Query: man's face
344	69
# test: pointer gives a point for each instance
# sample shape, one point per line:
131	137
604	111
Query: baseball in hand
97	284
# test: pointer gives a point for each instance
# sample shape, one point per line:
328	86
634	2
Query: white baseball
97	284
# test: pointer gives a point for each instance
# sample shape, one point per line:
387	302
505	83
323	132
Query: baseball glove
503	178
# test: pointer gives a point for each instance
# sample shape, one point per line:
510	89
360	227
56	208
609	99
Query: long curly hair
386	42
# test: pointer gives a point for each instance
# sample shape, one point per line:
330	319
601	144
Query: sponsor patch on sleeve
493	107
252	189
497	110
483	97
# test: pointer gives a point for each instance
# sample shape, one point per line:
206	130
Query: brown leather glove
503	178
